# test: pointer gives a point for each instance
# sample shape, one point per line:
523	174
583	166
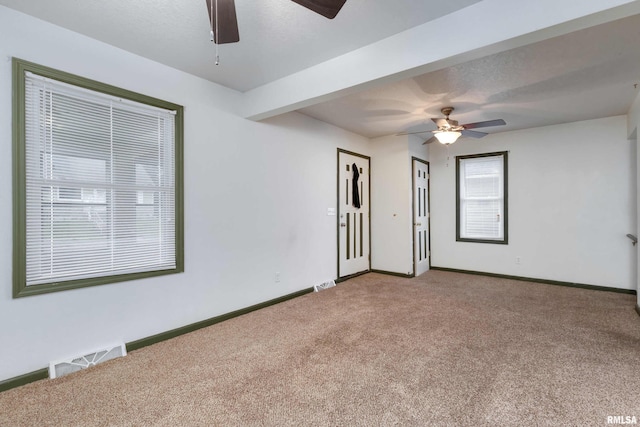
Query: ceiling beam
482	29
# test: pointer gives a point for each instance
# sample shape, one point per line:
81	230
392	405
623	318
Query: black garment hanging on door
356	193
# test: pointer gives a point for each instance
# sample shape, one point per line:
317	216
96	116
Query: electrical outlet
518	260
277	276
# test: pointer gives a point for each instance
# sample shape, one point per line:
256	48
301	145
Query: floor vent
66	367
323	286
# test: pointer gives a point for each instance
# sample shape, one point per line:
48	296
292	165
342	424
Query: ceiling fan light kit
447	137
449	130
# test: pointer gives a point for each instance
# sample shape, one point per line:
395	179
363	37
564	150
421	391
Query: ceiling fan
449	130
224	23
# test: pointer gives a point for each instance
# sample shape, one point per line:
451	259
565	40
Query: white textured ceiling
286	49
583	75
277	37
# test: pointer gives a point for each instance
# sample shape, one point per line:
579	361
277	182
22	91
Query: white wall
633	117
417	148
256	199
633	121
634	159
570	205
636	144
636	200
391	202
390	205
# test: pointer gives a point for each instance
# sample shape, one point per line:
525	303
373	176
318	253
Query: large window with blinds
97	183
481	203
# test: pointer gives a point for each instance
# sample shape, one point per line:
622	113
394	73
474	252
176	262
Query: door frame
338	204
413	210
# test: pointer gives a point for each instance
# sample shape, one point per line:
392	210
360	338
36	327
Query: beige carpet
442	349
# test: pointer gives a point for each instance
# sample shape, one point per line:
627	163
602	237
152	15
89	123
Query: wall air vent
65	367
323	286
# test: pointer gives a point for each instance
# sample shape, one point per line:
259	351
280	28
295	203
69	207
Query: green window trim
20	288
505	169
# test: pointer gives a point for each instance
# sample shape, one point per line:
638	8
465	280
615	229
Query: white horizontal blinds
100	184
482	198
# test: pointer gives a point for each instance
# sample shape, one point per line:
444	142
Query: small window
98	188
481	204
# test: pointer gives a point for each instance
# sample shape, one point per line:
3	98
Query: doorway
421	216
353	214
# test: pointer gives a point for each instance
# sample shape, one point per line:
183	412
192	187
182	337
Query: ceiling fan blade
473	133
327	8
485	124
430	140
227	22
445	122
412	133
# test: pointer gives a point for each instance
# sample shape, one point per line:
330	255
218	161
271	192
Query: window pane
482	219
481	197
483	186
72	239
76	168
100	184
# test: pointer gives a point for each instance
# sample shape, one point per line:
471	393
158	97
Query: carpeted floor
444	349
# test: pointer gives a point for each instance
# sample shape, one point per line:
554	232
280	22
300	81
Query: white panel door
421	249
353	218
